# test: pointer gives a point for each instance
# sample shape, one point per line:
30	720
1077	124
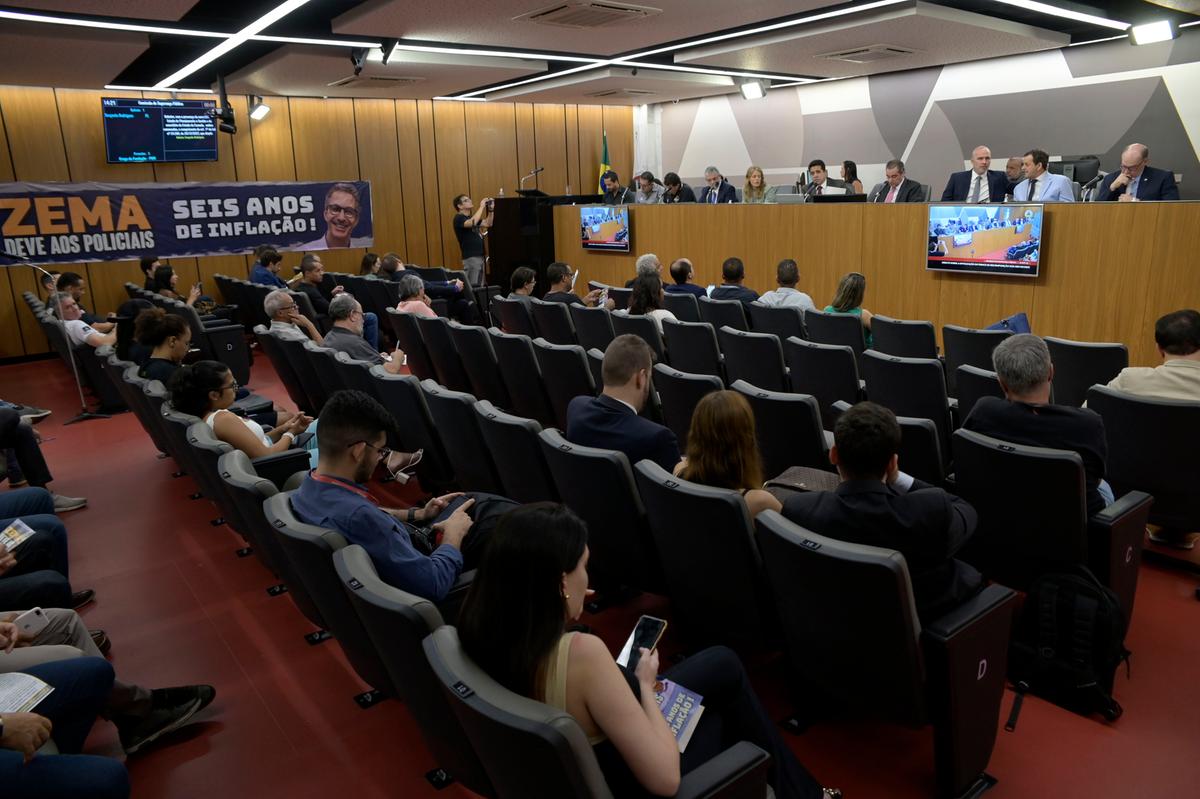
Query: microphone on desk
1091	183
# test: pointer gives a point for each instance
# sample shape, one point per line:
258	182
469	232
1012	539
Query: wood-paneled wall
1109	270
418	155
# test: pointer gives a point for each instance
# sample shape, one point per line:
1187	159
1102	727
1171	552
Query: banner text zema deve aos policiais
46	223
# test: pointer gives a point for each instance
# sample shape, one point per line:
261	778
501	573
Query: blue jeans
81	689
35	507
371	329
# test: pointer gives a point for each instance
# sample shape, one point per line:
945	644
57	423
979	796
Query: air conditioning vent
868	55
627	94
588	14
371	81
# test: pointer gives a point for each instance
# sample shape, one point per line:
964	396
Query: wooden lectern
522	234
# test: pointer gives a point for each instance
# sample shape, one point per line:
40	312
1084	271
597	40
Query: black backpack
1067	645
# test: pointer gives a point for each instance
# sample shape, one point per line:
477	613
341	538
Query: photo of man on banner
342	211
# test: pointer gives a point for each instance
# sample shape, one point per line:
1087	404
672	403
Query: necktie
975	189
712	193
1032	189
891	196
819	188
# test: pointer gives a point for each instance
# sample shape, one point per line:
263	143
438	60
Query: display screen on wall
986	239
604	227
138	131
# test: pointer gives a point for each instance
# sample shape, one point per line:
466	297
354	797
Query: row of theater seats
91	370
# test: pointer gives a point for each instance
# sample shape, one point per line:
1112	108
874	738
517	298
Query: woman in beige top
531	582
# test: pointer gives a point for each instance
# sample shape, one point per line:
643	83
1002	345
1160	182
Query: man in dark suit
879	505
682	273
1136	180
611	420
733	272
718	189
979	184
896	188
676	191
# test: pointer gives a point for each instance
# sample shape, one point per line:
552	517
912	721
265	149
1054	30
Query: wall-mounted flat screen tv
604	227
986	239
139	131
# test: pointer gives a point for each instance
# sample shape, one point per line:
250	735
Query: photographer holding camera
470	229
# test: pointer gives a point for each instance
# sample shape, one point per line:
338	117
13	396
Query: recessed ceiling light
752	90
377	53
1055	11
1151	32
107	25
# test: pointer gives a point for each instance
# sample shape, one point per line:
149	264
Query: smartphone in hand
646	633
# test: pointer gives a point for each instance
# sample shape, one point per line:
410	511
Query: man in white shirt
1178	378
787	275
78	331
286	320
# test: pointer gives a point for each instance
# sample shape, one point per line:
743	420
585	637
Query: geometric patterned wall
1092	99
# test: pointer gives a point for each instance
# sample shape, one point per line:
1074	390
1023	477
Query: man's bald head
1134	159
1013	168
981	159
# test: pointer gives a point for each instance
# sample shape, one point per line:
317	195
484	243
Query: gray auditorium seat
903	337
723	312
513	442
756	358
679	393
968	347
593	327
1079	365
565	375
694	348
453	414
788	427
829	372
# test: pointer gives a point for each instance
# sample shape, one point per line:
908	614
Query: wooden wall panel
491	154
414	248
591	146
1167	288
577	184
375	126
430	182
34	133
550	141
618	122
453	175
272	141
527	157
898	284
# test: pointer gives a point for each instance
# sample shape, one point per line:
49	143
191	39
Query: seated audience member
718	190
36	573
1040	185
614	192
413	298
73	284
454	292
611	420
878	505
370	264
558	275
312	283
896	187
646	299
149	264
403	544
141	715
756	189
168	337
649	191
206	389
1177	336
676	191
286	320
81	687
346	335
165	281
848	299
17	435
531	583
683	274
850	178
1136	180
979	184
1022	364
733	273
787	275
266	269
78	331
647	264
722	450
521	283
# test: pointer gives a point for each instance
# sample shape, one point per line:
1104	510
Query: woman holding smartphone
532	582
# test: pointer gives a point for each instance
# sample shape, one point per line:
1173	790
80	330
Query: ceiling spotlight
258	109
1151	32
754	88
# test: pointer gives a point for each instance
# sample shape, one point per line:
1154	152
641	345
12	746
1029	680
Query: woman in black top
165	281
167	336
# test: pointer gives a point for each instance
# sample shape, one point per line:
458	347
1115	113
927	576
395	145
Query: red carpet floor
182	608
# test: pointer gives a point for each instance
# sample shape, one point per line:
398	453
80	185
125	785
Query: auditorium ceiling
574	51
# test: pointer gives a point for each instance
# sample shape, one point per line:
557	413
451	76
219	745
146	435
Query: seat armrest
452	603
974	611
1116	536
279	466
740	772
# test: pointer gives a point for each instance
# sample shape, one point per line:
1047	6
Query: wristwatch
412	515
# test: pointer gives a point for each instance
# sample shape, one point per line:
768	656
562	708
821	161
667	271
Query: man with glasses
423	549
346	335
342	210
78	331
1136	180
286	320
320	294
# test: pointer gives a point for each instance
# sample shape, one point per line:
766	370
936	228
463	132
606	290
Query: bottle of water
501	194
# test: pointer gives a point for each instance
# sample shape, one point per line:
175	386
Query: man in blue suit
1039	185
979	184
718	190
1137	180
611	420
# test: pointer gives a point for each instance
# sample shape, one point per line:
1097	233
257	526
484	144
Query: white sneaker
63	504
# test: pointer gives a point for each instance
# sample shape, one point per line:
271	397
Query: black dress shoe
81	598
100	639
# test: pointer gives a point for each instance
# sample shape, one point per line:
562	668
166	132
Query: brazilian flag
604	164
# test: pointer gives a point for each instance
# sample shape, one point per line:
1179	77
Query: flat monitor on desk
839	198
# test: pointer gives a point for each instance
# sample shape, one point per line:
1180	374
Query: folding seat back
693	347
565	374
513	442
218	340
596	366
826	371
435	331
683	305
255	295
402	396
453	414
598	485
324	362
552	321
408	336
175	426
679	393
911	387
880	661
305	306
620	297
283	367
383	294
207	449
788	428
522	377
593	327
756	358
295	354
515	317
644	328
474	347
713	572
135	398
782	321
843	330
428	272
397	622
357	286
719	313
920	450
1079	365
974	383
354	374
903	337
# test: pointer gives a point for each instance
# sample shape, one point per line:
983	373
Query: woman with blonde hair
722	450
849	299
756	189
